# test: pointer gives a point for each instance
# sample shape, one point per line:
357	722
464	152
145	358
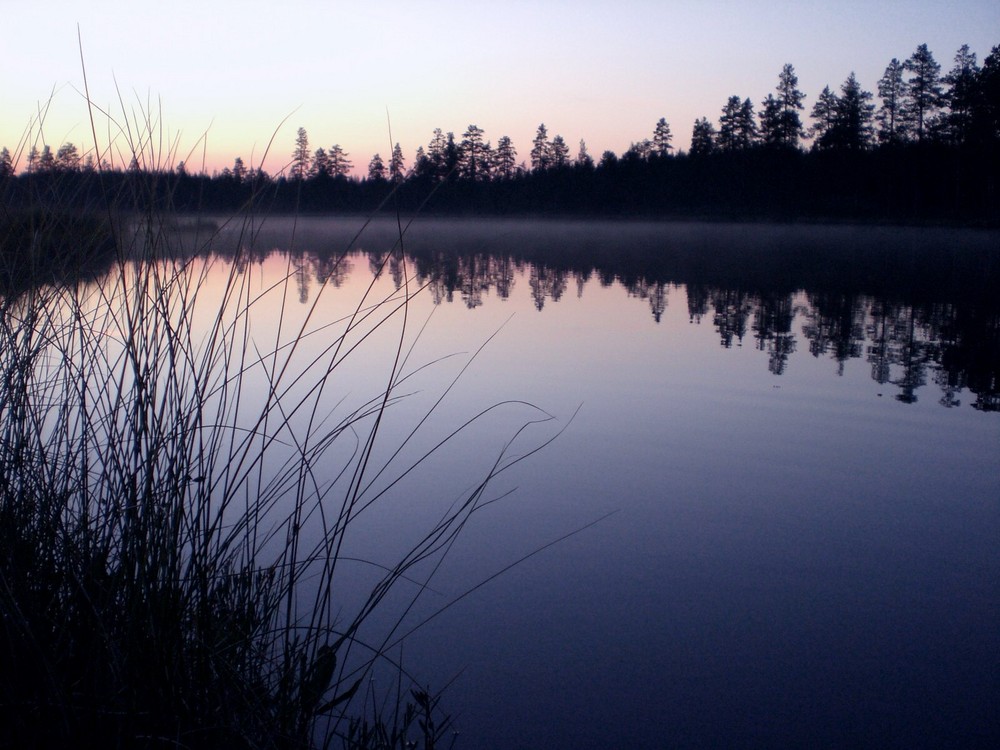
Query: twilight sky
241	72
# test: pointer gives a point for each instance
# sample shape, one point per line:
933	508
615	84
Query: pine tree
320	166
729	123
961	95
703	137
397	167
924	93
771	127
505	158
6	163
300	156
239	170
824	114
376	169
47	162
67	158
541	150
746	126
421	164
471	162
436	153
560	152
662	138
638	151
339	164
489	159
583	159
452	155
853	127
891	118
789	124
985	120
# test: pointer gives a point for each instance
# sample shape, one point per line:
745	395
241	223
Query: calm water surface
789	434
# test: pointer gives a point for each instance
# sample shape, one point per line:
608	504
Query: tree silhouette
773	330
376	169
746	128
772	131
729	123
732	313
300	156
639	151
452	155
541	150
396	165
437	154
961	96
239	170
852	126
879	333
472	164
835	325
505	158
891	117
911	354
924	92
703	137
985	122
824	114
320	164
737	129
559	152
340	165
6	163
698	298
67	158
421	164
583	159
662	138
789	124
47	162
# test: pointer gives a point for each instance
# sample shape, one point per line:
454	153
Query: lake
765	510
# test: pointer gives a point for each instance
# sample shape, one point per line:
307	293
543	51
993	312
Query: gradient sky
601	71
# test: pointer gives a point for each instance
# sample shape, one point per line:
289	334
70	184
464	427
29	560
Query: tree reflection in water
919	306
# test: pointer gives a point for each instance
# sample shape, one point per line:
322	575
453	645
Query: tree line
927	150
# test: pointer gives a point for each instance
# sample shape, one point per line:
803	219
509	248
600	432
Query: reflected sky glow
801	546
796	556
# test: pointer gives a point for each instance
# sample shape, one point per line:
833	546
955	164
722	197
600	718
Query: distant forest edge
929	153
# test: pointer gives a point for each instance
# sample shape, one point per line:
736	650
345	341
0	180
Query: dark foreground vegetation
930	153
170	562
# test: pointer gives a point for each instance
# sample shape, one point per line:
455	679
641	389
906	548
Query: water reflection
911	332
790	545
918	306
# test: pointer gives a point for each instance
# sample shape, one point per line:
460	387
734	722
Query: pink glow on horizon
221	81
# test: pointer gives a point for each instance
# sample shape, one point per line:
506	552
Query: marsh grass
172	544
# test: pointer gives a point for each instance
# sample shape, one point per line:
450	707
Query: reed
170	549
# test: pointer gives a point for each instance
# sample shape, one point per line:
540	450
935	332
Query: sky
214	80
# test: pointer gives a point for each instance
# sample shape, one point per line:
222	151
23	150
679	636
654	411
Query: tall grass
171	543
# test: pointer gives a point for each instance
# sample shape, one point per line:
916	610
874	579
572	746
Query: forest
927	152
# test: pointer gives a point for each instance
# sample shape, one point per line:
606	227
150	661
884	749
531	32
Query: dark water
795	432
789	438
